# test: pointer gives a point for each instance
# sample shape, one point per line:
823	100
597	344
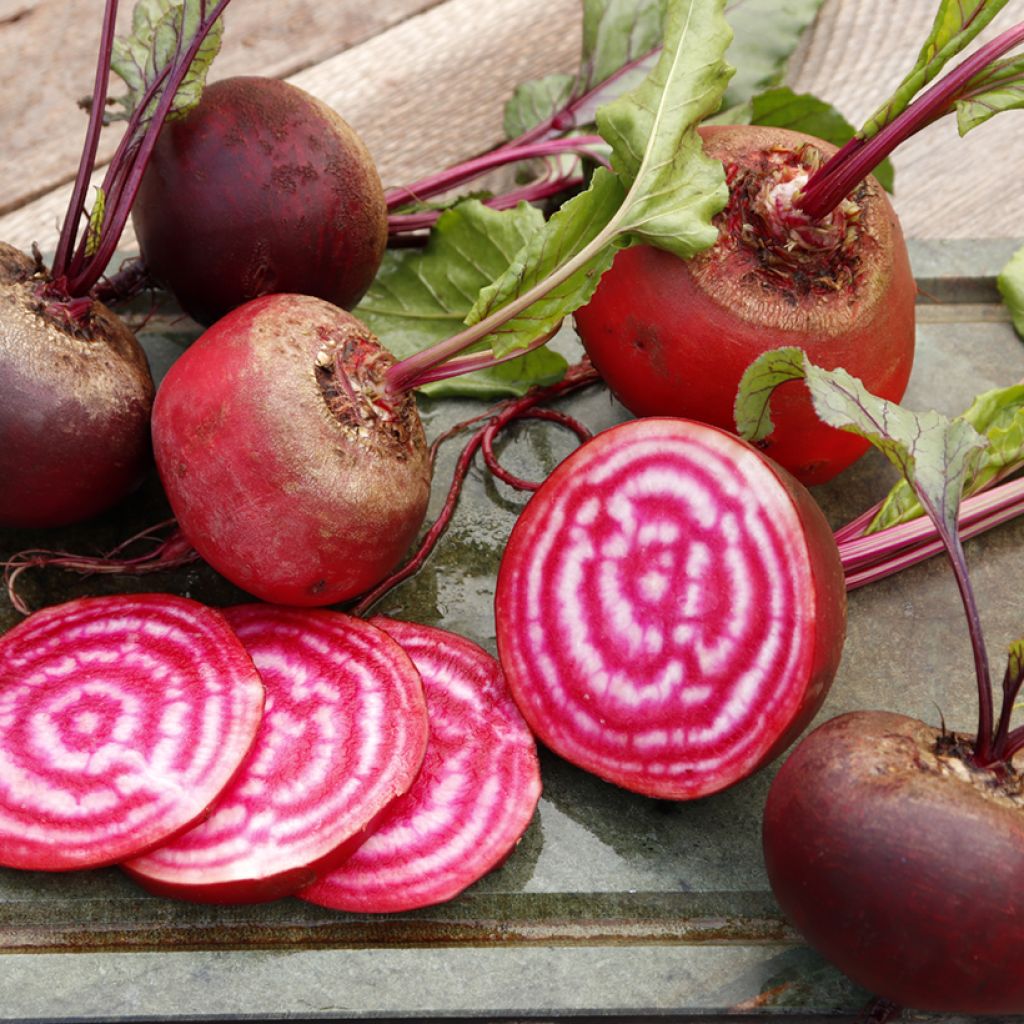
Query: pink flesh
656	609
344	733
121	720
474	798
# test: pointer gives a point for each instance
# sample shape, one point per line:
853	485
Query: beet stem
69	229
445	181
581	375
837	177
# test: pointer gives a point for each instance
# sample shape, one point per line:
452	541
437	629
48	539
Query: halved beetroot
344	733
670	608
121	720
472	801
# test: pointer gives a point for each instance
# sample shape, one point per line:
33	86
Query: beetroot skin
672	337
74	419
901	864
261	188
288	467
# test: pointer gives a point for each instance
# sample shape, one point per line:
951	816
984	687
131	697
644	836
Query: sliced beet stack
473	800
121	720
670	608
344	733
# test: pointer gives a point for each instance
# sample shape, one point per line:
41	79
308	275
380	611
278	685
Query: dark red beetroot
121	720
673	337
344	733
260	188
473	800
288	467
902	864
74	419
670	608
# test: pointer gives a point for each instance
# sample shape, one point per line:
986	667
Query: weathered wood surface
424	84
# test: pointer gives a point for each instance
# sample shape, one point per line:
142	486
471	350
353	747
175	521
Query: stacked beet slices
243	755
473	799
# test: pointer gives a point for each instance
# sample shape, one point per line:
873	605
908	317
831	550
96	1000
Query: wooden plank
946	187
423	94
49	49
430	90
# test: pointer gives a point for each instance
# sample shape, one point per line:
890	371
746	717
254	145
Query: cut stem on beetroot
344	734
670	608
474	798
121	721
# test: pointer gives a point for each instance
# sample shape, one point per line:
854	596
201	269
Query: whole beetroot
261	188
74	420
290	468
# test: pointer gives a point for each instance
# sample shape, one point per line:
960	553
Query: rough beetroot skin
121	721
901	864
292	487
472	801
74	413
343	735
261	188
670	608
673	337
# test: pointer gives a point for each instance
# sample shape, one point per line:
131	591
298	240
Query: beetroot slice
475	796
670	608
121	720
344	733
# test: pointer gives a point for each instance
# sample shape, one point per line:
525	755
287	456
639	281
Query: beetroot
260	188
344	733
670	608
288	466
902	863
474	798
77	391
74	421
673	337
121	720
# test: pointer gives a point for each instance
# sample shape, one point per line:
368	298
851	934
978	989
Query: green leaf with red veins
934	454
767	32
420	297
998	88
999	415
1011	287
665	190
615	33
572	230
673	188
956	24
161	29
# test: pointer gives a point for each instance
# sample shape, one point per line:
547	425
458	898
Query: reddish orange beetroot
289	468
673	337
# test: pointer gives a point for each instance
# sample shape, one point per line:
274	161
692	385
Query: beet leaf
420	297
956	24
999	87
999	416
934	454
1011	287
160	32
766	34
664	191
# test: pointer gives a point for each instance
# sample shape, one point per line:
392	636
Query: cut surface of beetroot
670	608
343	734
474	798
121	720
